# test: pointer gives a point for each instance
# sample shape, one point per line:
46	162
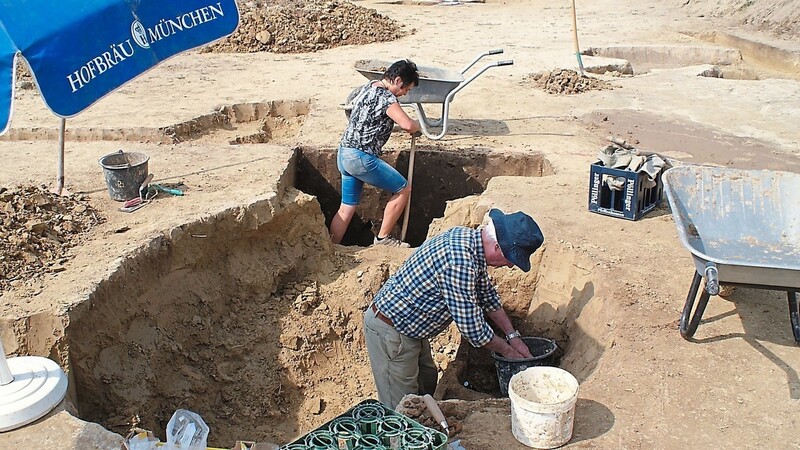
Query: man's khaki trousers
400	365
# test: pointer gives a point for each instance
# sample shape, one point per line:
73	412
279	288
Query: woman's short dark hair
406	70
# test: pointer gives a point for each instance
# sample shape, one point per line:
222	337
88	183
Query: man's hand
519	345
512	353
502	321
512	350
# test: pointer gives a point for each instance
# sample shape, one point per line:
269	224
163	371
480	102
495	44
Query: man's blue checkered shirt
444	280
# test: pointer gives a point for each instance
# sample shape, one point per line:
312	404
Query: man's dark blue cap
518	235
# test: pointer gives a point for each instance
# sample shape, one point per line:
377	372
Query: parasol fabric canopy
81	50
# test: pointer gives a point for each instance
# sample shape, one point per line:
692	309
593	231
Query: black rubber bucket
543	351
124	173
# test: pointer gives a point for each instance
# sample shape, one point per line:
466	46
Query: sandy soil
231	301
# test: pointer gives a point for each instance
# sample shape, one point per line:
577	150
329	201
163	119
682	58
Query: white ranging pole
30	387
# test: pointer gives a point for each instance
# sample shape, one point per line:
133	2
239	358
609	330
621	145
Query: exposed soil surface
231	301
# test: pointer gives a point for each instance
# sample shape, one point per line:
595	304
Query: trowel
430	403
138	202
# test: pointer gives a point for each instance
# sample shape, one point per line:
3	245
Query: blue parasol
80	50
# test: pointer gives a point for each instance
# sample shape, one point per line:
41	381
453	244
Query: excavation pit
731	73
732	58
253	319
246	123
643	58
440	175
276	121
263	367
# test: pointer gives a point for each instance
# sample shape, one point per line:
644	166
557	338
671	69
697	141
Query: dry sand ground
611	288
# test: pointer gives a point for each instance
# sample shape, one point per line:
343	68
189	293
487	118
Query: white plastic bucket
543	406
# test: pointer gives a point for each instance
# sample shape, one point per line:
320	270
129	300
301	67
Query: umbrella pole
575	36
6	377
59	189
410	177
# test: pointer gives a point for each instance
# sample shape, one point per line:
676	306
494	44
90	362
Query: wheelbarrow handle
496	51
508	62
446	104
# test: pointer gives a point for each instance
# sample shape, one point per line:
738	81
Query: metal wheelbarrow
742	228
436	85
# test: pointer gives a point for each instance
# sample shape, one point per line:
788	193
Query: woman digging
374	114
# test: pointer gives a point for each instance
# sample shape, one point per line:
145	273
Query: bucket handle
126	165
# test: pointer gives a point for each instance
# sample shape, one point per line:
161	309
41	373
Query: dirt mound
23	75
566	81
292	26
781	18
413	406
37	228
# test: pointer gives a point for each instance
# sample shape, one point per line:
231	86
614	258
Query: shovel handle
407	211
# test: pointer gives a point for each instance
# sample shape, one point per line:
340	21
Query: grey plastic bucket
124	174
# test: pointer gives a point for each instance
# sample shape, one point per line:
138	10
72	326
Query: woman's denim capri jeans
359	167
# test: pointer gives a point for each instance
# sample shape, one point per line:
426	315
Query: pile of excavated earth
780	18
293	26
37	230
566	81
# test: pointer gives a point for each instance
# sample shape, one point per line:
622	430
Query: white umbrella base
38	386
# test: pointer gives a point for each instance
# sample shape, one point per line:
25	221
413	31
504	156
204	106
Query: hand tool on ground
430	403
410	176
144	187
166	190
138	202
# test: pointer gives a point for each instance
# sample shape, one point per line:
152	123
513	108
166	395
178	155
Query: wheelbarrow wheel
349	99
